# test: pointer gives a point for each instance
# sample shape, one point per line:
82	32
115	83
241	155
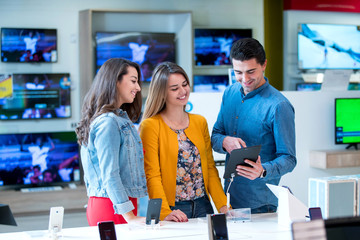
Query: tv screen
146	49
328	46
28	45
212	46
42	96
210	83
307	86
38	159
347	120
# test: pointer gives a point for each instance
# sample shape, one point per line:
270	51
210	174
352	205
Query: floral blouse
189	179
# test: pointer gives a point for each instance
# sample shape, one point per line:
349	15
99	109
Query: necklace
177	124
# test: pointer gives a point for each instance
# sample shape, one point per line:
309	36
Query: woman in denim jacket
111	149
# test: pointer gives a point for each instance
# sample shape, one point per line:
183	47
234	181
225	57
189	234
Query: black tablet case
237	157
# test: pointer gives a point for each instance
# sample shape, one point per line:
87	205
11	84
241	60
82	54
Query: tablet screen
237	157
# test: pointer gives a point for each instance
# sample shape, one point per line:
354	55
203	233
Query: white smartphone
56	219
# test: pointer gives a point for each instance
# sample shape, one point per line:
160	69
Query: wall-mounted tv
145	48
308	86
212	46
37	96
210	83
28	45
39	159
328	46
347	121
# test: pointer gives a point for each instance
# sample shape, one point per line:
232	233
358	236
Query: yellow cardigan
161	156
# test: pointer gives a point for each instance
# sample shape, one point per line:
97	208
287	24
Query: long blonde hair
156	100
102	96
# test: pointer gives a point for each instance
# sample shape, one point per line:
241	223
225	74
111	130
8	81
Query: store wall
63	15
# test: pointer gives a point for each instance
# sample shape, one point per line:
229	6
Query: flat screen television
145	48
353	86
347	121
210	83
328	46
28	45
37	96
39	159
212	46
308	86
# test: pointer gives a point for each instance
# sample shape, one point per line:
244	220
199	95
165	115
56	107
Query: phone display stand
239	215
152	225
54	234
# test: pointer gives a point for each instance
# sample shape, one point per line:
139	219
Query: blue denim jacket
262	117
113	161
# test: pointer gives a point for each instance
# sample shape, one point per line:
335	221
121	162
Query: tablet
237	157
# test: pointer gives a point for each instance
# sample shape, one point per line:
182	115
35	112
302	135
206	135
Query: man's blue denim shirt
262	117
113	161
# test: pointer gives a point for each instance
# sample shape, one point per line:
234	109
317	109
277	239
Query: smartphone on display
217	227
107	230
153	210
315	213
56	219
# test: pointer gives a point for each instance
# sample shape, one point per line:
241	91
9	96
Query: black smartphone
217	227
107	230
315	213
153	210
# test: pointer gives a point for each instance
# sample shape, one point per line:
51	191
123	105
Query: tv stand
355	145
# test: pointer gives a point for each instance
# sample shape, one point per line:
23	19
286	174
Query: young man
255	113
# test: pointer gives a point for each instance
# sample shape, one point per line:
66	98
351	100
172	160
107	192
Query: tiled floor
41	222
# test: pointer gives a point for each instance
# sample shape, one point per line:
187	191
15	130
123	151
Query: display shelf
94	20
325	159
25	203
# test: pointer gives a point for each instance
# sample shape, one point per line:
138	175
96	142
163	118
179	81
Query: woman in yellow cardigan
179	165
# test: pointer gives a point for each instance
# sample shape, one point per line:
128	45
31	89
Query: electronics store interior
302	183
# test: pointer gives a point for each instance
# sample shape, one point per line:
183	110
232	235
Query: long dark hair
102	96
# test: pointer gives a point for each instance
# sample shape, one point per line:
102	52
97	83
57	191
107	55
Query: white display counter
262	226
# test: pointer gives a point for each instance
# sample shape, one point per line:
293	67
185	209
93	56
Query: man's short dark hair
247	48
